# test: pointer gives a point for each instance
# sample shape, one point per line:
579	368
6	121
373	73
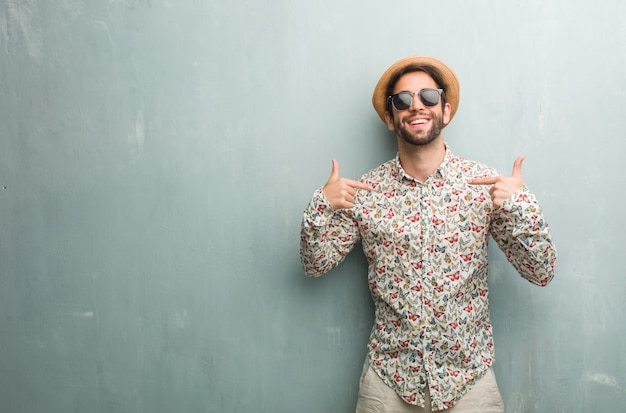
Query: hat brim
379	99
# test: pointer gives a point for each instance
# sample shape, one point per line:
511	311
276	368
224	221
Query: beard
420	137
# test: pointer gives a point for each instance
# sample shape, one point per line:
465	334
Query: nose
416	103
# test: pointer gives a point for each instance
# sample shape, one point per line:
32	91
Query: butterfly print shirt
426	246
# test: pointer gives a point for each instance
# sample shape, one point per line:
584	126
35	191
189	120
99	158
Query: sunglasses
403	100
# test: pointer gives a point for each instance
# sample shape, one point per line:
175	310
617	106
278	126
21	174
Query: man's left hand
502	187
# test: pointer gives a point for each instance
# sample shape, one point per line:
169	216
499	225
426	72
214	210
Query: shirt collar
440	173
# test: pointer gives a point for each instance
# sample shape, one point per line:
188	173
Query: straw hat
379	99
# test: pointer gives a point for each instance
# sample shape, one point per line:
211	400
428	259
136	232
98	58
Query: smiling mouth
419	122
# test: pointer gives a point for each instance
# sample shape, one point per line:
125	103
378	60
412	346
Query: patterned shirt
426	246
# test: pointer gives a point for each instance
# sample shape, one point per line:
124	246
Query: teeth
418	122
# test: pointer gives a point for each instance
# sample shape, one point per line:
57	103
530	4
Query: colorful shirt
426	246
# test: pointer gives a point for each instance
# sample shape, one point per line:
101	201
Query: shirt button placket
427	235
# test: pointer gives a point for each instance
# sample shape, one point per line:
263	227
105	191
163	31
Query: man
424	219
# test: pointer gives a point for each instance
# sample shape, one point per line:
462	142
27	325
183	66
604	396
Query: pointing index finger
488	180
361	185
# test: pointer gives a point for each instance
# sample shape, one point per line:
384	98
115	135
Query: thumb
517	166
334	173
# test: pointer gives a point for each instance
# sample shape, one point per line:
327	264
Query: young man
424	219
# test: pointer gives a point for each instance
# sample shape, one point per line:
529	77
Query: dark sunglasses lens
402	101
430	97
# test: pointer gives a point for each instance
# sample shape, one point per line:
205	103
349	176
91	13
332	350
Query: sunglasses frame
412	94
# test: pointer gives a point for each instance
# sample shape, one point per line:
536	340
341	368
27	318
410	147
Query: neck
420	161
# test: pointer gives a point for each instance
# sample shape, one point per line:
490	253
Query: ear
447	110
389	121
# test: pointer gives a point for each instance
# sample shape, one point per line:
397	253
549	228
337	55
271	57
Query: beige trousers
376	397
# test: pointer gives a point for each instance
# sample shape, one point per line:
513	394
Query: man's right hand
340	191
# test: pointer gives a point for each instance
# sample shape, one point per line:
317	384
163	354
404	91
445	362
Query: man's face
419	124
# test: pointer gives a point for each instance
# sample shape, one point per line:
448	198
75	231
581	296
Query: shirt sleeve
519	229
326	236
